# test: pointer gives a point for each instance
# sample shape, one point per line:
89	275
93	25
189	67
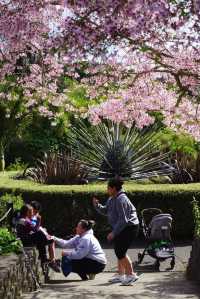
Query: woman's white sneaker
116	278
129	279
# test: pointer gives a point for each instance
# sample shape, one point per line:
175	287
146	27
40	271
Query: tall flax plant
110	150
58	168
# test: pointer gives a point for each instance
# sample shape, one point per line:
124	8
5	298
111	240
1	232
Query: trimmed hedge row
62	210
63	206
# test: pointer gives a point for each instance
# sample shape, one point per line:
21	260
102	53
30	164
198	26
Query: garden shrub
193	266
196	213
10	197
17	165
8	242
15	199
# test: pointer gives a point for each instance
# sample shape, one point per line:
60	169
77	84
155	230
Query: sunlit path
151	284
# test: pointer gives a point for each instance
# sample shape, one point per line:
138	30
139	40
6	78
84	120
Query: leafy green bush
17	202
185	155
17	165
8	242
196	212
10	198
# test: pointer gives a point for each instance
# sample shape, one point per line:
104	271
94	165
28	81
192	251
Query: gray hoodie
83	246
120	211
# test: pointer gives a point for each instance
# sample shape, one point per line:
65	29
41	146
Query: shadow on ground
165	285
150	285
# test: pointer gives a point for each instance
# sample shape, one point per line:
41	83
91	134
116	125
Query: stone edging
15	277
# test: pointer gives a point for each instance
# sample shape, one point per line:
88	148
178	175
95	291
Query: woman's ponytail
87	224
91	224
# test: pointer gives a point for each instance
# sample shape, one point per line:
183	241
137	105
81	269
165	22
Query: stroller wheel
157	265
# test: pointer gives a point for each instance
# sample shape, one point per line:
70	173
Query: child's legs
51	249
40	241
42	252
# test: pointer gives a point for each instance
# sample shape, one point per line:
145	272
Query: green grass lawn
7	182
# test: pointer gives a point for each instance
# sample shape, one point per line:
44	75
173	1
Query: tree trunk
2	158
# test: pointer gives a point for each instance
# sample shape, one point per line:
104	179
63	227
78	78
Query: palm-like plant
110	150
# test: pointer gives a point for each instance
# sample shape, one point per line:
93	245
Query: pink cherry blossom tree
160	71
169	84
157	74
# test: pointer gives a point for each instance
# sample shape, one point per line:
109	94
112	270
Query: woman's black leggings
123	241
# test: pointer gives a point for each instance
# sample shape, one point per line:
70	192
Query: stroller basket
157	231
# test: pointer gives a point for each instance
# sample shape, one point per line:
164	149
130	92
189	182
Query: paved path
157	285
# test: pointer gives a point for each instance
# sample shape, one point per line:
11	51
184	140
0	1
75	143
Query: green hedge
196	214
63	206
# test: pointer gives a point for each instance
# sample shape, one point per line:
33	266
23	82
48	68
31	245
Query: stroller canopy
160	227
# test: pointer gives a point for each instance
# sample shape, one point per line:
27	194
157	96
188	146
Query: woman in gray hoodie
122	217
86	257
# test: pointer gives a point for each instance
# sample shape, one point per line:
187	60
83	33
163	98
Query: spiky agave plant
110	150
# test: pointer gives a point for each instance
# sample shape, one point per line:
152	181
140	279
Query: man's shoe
116	278
54	266
129	279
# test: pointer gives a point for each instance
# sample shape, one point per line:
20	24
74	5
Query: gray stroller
157	231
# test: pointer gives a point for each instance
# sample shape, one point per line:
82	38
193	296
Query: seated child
36	218
33	235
